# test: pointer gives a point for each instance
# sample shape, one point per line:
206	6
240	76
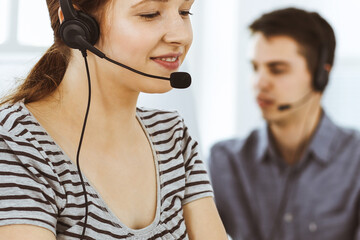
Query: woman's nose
178	31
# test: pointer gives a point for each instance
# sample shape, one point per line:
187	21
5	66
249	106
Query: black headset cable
80	143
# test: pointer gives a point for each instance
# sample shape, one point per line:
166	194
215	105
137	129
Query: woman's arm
28	232
202	220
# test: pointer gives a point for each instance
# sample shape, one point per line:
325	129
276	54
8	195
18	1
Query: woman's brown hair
49	71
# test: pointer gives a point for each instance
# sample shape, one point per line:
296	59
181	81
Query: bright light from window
34	24
4	18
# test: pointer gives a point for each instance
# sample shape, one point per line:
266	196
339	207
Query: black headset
321	76
77	24
80	31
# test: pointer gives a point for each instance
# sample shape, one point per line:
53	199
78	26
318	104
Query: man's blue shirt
260	197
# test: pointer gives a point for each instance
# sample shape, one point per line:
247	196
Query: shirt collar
264	144
320	145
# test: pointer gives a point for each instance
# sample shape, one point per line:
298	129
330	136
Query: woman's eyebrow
144	1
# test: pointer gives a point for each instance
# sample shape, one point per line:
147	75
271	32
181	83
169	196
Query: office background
220	103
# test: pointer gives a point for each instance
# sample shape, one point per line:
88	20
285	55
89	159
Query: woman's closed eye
153	15
185	13
149	16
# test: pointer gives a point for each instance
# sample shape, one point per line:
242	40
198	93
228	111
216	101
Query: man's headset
321	76
319	81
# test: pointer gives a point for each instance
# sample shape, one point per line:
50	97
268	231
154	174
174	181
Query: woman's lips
170	61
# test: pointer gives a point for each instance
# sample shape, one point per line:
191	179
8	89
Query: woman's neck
112	111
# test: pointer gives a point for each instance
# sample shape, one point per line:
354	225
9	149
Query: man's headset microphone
81	31
319	82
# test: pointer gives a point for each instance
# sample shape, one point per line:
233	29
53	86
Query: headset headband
68	9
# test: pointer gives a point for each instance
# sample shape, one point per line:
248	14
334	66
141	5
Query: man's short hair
312	32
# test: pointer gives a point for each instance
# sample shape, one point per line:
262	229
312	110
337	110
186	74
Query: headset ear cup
324	81
321	76
92	26
321	80
69	32
84	26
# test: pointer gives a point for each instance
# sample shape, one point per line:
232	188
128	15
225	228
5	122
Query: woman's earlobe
61	15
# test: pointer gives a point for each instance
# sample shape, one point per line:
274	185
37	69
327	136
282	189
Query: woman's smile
169	61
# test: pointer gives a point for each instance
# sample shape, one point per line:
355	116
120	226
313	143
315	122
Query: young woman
140	168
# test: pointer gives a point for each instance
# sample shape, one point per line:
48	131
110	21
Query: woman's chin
162	87
158	90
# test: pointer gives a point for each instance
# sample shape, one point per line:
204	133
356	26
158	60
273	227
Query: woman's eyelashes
186	13
149	16
153	15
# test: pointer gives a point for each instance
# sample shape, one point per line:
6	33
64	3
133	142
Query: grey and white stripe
39	184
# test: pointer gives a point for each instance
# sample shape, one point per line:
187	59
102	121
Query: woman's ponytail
43	78
49	71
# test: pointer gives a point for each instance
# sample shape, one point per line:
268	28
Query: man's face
280	76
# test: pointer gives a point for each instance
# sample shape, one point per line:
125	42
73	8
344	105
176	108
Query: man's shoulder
347	131
338	140
347	137
341	133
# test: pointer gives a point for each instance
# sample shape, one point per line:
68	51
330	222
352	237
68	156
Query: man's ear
61	15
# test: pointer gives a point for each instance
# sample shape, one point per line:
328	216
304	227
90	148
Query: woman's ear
327	67
61	15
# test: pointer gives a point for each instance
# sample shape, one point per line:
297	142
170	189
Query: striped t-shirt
39	184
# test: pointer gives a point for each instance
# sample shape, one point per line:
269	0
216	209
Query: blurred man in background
298	177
